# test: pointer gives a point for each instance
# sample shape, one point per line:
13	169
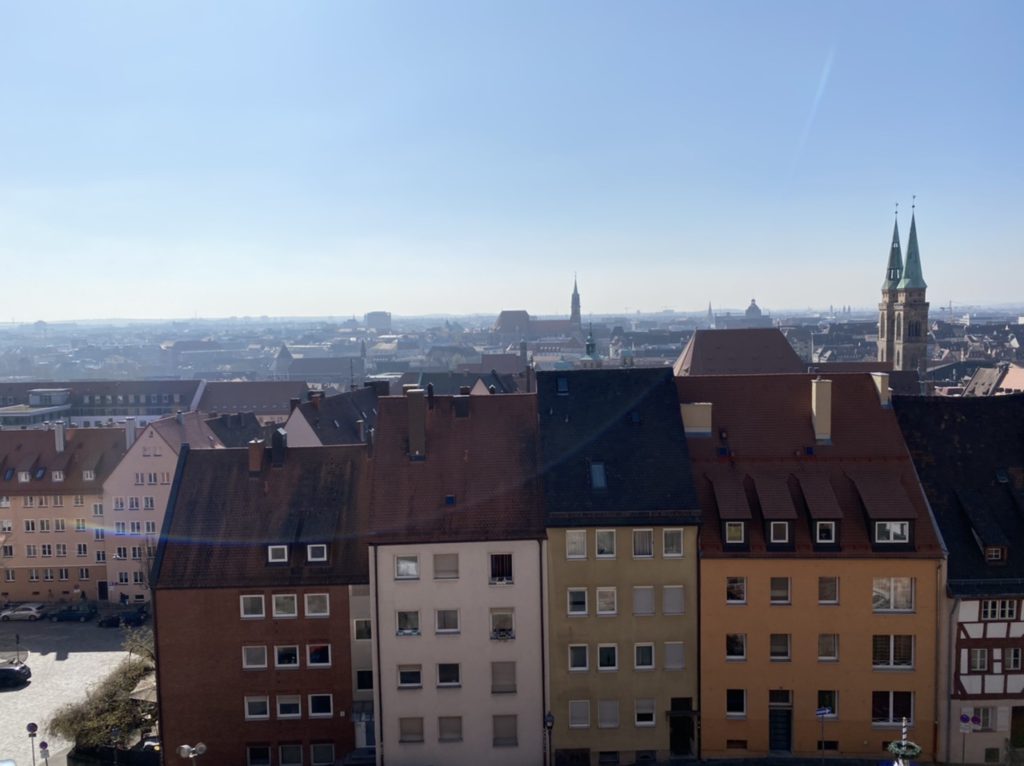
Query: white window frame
605	722
736	713
978	660
605	590
597	544
890	583
409	668
607	668
448	684
256	700
279	608
288	699
277	554
665	590
316	552
891	532
640	534
568	602
448	631
735	581
1012	658
399	631
409	560
834	657
665	534
309	655
252	596
582	710
573	536
789	592
665	665
646	589
733	657
892	721
819	527
828	601
287	666
446	575
734	525
247	665
636	659
640	708
890	663
283	748
782	539
586	658
313	613
788	656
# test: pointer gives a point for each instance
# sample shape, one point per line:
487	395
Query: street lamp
190	751
549	724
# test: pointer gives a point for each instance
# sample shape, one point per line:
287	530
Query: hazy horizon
187	159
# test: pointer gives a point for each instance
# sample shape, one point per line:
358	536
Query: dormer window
277	554
40	473
57	475
825	532
563	386
88	475
778	532
598	478
892	532
24	476
317	552
995	554
735	532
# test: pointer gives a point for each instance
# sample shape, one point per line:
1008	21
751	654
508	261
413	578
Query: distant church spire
912	278
575	317
894	271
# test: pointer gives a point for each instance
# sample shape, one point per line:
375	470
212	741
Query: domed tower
911	311
887	308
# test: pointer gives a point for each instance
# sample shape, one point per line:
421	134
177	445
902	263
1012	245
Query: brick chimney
417	408
58	435
256	450
821	410
881	380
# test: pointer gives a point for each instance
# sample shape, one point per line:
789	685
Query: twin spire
897	275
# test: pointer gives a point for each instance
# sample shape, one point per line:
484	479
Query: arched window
899	327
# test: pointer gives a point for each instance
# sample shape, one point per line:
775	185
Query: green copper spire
894	270
912	277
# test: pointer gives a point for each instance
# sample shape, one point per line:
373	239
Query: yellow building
820	569
622	524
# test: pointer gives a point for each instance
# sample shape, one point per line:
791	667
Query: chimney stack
881	380
180	417
292	404
430	396
58	435
278	447
361	430
821	410
256	450
417	424
129	432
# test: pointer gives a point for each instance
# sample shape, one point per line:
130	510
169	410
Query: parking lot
66	659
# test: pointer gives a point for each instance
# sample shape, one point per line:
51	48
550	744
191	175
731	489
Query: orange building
819	572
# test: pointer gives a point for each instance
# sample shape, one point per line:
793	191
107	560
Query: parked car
132	618
14	674
24	612
73	614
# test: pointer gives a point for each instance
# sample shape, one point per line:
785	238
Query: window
318	604
978	660
119	528
780	590
290	755
579	714
318	655
446	566
607	714
606	601
33	575
779	647
672	543
986	717
140	478
503	678
576	543
644	712
133	504
578	657
58	502
735	590
448	674
257	708
44	525
78	501
598	477
735	646
9	575
674	656
828	647
79	525
31	551
825	532
643	543
363	631
577	601
735	532
503	626
286	656
410	676
449	728
505	731
101	556
277	554
643	656
136	553
893	594
149	503
995	553
30	525
6	525
254	657
289	706
257	755
8	552
446	620
892	532
501	568
890	708
607	656
895	651
252	607
407	568
408	623
62	549
672	601
778	532
643	599
735	703
829	699
316	552
150	527
285	605
998	609
1012	658
562	386
828	590
410	729
122	578
62	573
97	509
605	543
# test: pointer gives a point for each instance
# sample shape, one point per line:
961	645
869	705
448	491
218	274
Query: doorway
682	728
780	720
1017	727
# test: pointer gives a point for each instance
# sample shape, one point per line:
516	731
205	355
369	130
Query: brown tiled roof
191	429
237	429
85	449
738	352
485	461
263	397
763	446
221	520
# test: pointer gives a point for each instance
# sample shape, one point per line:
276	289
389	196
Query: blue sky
168	159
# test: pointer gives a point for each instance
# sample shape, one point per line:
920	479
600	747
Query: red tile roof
85	449
738	352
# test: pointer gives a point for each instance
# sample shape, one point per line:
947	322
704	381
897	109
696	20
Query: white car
24	612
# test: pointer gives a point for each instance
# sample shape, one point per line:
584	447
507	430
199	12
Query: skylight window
598	478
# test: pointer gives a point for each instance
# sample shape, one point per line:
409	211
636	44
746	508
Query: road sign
965	718
823	711
965	728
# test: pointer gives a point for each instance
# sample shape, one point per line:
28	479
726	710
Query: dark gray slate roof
969	453
629	420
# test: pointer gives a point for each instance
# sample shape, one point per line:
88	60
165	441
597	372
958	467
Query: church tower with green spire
911	311
887	308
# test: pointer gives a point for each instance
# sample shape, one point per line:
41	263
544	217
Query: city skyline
171	161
